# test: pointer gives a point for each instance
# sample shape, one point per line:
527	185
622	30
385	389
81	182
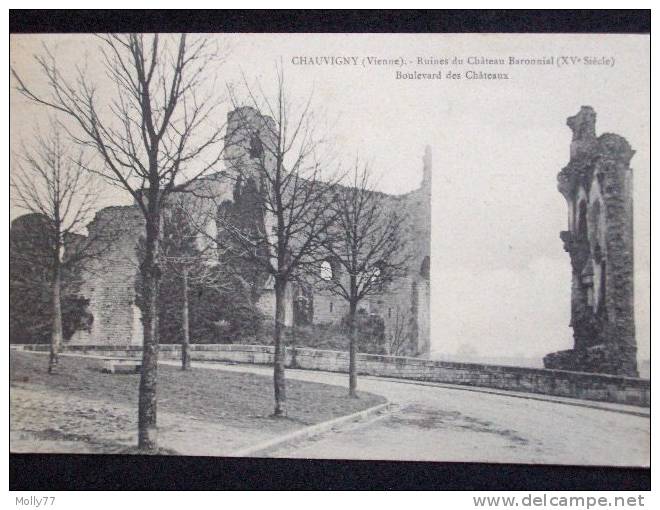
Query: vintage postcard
429	247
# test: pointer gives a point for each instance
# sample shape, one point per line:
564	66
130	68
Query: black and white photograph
398	247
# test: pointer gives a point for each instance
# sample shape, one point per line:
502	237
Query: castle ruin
597	186
109	283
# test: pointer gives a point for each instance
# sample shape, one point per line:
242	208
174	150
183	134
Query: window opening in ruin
582	221
256	147
331	307
326	271
389	313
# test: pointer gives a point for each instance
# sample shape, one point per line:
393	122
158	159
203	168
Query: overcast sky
500	277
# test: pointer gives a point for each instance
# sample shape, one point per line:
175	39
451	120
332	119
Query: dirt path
53	422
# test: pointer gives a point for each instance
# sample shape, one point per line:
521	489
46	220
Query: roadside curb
307	432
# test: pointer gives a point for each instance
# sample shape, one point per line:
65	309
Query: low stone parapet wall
562	383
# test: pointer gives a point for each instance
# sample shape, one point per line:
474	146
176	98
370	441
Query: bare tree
367	244
191	257
49	181
278	171
155	136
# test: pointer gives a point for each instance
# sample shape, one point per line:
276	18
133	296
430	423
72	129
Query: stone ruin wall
409	296
109	282
597	186
244	122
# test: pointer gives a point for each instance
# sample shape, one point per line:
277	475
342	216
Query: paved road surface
440	423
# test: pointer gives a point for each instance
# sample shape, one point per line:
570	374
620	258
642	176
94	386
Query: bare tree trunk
147	431
185	347
352	356
56	335
279	383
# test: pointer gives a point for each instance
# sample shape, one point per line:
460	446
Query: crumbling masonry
597	186
109	283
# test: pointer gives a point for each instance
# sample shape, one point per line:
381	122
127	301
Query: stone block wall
407	298
580	385
108	281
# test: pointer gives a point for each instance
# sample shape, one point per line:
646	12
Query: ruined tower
108	280
597	186
247	141
250	147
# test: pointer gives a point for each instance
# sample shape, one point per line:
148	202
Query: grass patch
231	398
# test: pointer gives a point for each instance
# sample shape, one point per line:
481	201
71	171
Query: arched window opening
582	221
326	270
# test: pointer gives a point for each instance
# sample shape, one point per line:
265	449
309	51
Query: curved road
441	423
